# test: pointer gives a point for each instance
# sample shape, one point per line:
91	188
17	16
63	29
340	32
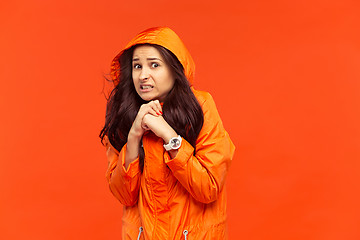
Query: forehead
146	51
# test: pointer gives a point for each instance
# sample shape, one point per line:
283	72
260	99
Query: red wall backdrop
285	77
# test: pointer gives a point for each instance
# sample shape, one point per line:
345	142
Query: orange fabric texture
185	193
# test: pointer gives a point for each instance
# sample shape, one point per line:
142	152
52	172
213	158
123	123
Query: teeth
146	87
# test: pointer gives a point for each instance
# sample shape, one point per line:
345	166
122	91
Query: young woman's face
151	75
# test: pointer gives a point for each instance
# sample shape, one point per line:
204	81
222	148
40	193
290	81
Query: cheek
169	80
171	84
134	77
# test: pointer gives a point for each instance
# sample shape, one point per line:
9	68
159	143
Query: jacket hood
164	37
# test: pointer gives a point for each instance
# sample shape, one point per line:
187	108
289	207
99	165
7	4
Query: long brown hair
181	110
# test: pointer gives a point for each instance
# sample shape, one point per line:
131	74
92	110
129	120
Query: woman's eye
137	66
154	65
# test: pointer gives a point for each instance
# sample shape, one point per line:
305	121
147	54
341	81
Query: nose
145	74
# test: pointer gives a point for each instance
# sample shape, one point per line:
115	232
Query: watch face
175	143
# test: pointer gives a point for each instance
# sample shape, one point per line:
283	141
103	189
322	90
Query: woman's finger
152	112
153	107
158	106
144	126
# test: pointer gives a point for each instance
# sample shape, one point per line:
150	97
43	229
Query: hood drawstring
185	232
141	229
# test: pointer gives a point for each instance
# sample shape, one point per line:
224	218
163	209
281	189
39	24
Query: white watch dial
175	143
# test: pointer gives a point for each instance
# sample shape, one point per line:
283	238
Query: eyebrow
151	59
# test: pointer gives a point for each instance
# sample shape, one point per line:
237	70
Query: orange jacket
179	198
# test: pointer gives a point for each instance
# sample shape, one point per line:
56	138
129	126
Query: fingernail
160	112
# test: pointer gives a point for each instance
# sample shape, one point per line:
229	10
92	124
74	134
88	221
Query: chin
147	98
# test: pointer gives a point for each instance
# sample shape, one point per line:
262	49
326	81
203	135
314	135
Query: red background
285	77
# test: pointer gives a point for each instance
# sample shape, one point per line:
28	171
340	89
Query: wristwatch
173	144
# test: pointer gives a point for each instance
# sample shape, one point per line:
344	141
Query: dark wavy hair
181	110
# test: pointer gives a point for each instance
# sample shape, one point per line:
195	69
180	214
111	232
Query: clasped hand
150	117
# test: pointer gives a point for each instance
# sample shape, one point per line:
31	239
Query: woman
167	149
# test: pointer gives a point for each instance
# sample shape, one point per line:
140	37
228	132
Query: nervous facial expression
152	77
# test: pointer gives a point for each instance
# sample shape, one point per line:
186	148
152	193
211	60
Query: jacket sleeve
203	173
124	183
